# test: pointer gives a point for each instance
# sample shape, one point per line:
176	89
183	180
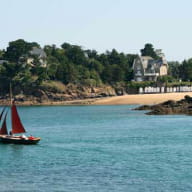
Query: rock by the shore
64	93
183	106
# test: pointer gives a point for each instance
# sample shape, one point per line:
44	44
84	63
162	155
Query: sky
125	25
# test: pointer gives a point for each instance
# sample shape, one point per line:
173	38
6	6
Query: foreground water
99	148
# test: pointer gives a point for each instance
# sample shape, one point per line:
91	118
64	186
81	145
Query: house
145	68
39	54
3	61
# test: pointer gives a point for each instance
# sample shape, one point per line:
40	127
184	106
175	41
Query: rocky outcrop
183	106
60	93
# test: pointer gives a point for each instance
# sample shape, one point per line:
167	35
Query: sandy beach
115	100
141	99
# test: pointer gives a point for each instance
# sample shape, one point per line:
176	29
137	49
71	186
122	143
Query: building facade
146	68
40	54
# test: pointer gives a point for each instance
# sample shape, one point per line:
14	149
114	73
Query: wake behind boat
17	128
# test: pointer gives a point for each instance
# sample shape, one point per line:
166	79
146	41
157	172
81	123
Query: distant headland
68	74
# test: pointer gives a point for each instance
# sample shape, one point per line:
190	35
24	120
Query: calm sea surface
99	149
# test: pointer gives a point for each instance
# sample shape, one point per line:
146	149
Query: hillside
55	91
70	72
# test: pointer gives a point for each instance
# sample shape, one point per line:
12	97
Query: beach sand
141	99
115	100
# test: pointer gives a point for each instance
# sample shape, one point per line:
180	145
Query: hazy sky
125	25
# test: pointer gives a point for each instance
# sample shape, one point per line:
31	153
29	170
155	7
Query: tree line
68	64
73	64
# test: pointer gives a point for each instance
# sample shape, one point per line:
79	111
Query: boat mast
10	92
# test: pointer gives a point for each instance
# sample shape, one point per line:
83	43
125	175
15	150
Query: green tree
114	57
52	65
107	75
2	52
71	74
166	79
67	73
92	54
186	70
95	76
83	72
95	65
18	75
174	69
66	46
149	51
75	54
18	48
118	73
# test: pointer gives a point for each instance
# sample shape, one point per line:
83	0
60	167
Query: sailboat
17	128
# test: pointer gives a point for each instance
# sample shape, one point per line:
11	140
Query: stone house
146	68
40	54
3	61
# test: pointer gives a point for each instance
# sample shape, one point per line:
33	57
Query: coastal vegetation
67	64
70	67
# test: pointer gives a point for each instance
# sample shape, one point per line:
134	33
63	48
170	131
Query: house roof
3	61
39	52
146	58
149	64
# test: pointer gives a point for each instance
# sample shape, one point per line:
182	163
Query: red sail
17	126
3	130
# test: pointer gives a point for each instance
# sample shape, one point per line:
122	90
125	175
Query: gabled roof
149	62
3	61
146	58
38	52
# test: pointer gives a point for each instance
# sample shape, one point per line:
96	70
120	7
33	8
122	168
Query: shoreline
139	99
142	99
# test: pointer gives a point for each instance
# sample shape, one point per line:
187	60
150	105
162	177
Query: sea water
99	149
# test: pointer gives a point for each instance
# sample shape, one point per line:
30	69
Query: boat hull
18	140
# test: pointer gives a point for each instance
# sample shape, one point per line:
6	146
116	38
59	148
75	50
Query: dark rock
188	98
143	107
169	103
183	106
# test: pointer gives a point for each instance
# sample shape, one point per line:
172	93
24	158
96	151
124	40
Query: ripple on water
99	148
